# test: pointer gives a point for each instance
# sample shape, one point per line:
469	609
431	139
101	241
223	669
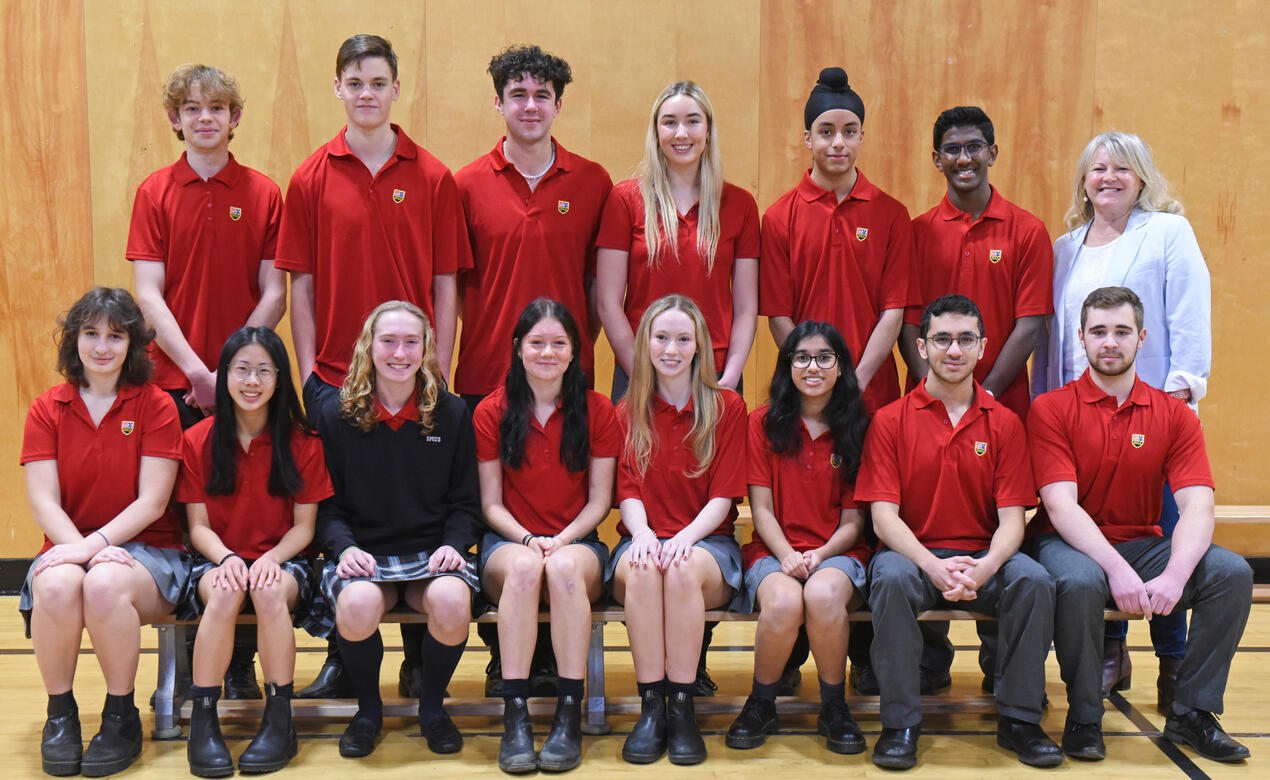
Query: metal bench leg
169	693
595	721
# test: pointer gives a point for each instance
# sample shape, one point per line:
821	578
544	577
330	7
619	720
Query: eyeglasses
824	360
942	341
953	151
241	372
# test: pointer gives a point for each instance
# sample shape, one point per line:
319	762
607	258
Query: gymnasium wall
80	84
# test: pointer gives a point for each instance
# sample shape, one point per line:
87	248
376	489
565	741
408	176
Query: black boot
647	740
563	749
118	743
1166	683
62	745
206	750
275	742
516	748
331	682
683	741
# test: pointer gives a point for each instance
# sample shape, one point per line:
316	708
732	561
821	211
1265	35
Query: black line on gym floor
1173	752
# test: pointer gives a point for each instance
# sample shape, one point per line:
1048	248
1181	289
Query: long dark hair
844	414
123	314
285	418
575	445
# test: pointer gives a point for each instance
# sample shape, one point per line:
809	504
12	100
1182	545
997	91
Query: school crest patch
127	427
981	448
235	213
861	233
1137	440
398	196
562	206
994	255
835	460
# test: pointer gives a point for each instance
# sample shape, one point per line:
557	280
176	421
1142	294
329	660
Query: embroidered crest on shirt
235	213
127	427
1137	440
861	234
835	460
562	206
994	255
398	196
981	448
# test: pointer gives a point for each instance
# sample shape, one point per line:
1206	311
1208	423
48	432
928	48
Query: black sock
764	690
205	691
411	639
62	704
673	687
515	688
121	705
832	693
361	663
567	686
658	687
437	671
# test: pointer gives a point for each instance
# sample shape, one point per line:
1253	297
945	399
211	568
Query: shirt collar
564	158
406	149
1089	392
995	210
68	392
922	398
228	176
863	189
660	406
408	413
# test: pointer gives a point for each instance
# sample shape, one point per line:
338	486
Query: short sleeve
879	476
775	296
39	438
147	230
1187	462
486	420
1034	294
161	436
606	435
297	228
1013	484
617	222
190	485
896	290
747	241
759	470
1051	450
310	461
727	471
451	249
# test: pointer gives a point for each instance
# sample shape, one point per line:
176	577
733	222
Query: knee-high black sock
361	663
411	638
439	663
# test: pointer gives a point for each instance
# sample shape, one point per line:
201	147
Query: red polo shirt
525	245
251	521
212	236
1118	456
808	495
98	466
842	263
671	499
1004	262
622	228
949	481
368	239
543	495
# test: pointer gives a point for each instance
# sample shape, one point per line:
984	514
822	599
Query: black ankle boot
206	750
647	740
62	745
118	743
683	741
275	742
563	749
516	749
240	679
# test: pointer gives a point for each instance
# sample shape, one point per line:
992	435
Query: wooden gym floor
953	746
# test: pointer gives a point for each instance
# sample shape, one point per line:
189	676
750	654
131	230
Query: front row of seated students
945	471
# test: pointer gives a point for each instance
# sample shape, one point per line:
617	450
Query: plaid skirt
388	568
297	567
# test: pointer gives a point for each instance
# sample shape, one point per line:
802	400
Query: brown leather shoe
1117	671
1165	683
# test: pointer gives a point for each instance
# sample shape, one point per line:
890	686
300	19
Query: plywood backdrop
83	125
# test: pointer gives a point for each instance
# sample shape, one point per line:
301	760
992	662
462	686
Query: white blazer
1159	259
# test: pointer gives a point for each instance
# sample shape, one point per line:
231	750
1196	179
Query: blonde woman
680	475
678	227
402	457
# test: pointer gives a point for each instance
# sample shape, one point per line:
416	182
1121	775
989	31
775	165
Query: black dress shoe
62	745
1117	670
1201	731
563	749
240	681
1084	741
647	740
1165	683
751	727
330	683
897	748
684	745
931	682
863	681
842	734
1028	741
409	679
359	737
443	736
115	747
516	748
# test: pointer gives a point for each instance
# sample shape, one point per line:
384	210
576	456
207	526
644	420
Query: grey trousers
1020	595
1219	595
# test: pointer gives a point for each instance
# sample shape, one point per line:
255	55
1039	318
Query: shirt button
967	253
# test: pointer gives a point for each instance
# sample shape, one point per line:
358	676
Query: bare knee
271	600
222	604
782	607
358	610
449	606
683	578
59	590
827	596
524	572
106	587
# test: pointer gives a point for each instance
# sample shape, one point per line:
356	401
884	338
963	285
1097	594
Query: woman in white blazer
1124	228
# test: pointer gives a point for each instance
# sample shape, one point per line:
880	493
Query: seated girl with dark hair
100	452
807	560
402	458
251	480
548	450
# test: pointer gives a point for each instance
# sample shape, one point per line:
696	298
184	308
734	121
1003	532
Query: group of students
395	480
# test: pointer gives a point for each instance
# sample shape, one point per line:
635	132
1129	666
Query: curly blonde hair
213	84
357	396
1132	151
